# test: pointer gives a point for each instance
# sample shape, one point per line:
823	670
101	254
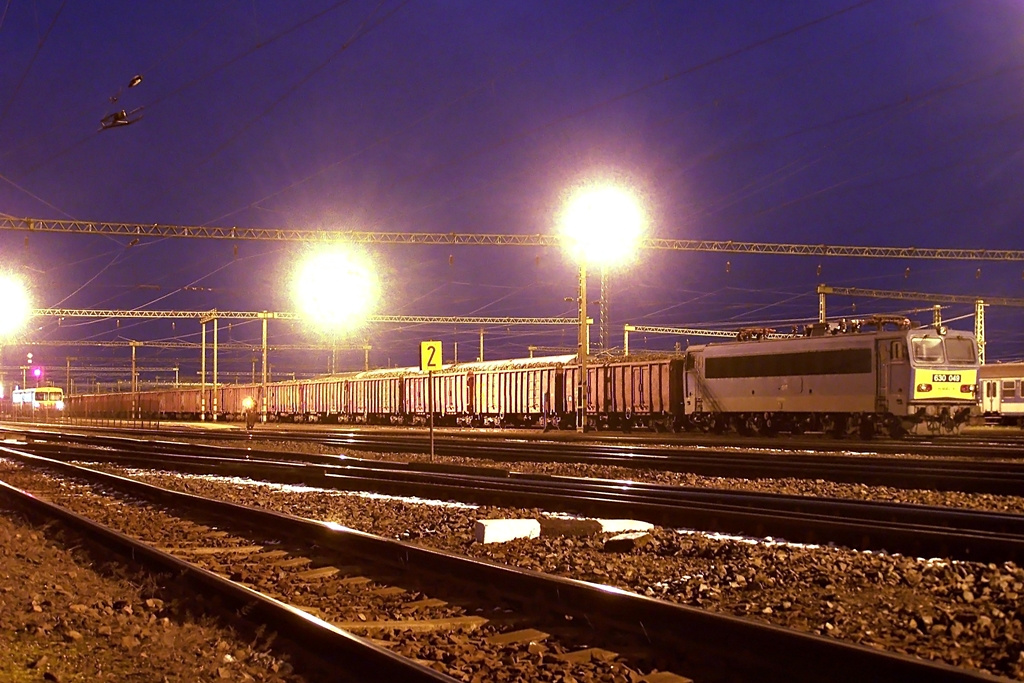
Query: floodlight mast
602	224
582	352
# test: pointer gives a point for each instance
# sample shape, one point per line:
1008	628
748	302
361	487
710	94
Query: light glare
15	305
335	290
603	225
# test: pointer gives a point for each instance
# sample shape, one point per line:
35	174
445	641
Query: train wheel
867	427
679	424
718	425
798	426
743	425
835	425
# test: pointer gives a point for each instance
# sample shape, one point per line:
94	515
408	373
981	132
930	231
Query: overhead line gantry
158	230
285	315
978	302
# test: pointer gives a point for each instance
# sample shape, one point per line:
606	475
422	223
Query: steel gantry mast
978	302
483	239
285	315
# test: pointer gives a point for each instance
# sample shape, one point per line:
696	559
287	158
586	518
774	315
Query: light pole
582	351
601	225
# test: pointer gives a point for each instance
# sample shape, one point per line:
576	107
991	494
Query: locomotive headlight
967	388
923	388
59	405
247	403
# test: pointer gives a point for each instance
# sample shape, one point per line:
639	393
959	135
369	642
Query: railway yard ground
68	613
57	601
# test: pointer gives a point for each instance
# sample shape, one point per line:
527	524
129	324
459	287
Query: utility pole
202	378
263	386
215	390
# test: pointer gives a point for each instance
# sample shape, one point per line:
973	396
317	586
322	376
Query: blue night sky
879	123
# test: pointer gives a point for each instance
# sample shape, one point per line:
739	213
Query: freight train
1002	393
853	377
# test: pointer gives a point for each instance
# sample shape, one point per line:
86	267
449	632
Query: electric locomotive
37	403
838	378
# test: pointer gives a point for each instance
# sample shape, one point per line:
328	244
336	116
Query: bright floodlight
15	306
335	290
603	225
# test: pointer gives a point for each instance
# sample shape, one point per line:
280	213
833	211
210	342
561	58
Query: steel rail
966	476
908	529
331	644
635	444
962	475
725	647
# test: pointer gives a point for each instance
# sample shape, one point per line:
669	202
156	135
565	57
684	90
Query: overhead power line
158	230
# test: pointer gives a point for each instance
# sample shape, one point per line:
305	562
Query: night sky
880	123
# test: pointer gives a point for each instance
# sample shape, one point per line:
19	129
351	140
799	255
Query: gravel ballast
966	614
67	615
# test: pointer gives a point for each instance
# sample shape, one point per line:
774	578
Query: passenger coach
1002	393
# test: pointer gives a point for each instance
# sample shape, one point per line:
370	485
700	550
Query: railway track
964	475
693	643
973	446
317	642
908	529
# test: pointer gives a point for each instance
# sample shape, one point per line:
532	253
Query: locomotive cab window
928	350
960	350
